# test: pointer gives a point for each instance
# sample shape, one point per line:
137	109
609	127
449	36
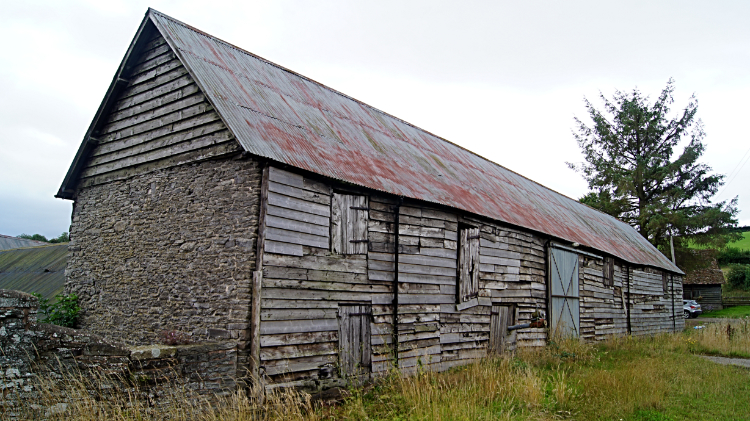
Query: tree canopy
642	167
63	238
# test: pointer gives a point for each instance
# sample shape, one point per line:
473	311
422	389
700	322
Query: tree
63	238
636	172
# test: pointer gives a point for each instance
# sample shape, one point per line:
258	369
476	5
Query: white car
691	308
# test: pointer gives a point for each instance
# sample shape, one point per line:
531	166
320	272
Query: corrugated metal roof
278	114
34	269
8	242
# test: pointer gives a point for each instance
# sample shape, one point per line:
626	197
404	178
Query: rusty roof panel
281	115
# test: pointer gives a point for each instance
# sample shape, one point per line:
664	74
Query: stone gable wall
171	250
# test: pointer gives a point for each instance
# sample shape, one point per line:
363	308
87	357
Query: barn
223	196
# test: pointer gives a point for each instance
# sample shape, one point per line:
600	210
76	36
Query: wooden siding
708	296
306	284
604	309
161	119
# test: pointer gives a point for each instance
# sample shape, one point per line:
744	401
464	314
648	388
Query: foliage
731	255
62	238
739	276
62	310
636	172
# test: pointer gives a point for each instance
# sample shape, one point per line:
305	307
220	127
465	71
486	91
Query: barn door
563	267
355	356
500	318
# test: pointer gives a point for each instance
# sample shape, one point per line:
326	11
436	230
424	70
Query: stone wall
171	250
34	354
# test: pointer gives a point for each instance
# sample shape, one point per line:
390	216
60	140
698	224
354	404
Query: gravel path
742	362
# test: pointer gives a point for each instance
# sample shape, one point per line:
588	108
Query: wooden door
355	354
564	318
500	318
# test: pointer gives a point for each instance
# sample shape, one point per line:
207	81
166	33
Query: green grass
656	378
646	379
743	244
730	313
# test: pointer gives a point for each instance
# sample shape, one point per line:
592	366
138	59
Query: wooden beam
255	305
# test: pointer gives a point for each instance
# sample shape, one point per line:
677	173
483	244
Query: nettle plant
61	310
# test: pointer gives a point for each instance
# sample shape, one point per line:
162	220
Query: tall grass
653	378
91	396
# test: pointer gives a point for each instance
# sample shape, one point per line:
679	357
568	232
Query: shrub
63	312
739	276
733	255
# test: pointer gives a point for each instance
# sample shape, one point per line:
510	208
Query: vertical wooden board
468	264
499	321
337	235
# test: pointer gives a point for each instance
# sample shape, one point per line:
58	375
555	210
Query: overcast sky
503	79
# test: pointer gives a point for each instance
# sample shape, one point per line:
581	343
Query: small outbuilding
226	197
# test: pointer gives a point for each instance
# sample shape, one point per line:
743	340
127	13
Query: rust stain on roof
281	115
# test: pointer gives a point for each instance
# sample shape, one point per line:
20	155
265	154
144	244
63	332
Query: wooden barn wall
708	296
304	284
161	119
651	305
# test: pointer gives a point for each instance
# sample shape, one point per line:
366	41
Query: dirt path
742	362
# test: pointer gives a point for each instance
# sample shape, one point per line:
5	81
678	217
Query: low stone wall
32	352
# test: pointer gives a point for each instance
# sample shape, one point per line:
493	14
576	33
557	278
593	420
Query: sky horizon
504	80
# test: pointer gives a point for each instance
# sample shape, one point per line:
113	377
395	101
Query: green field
729	313
743	244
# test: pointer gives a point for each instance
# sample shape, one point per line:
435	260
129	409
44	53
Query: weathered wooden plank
425	270
297	226
176	84
298	314
351	264
274	327
287	202
305	217
321	295
184	103
307	195
295	180
326	286
198	138
155	103
298	351
428	261
427	279
425	299
283	248
298	338
151	156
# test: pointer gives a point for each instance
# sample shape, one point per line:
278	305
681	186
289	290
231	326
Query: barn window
664	280
608	272
468	265
349	214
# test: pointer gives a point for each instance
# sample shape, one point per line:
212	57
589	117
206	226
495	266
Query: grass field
743	244
730	312
644	379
